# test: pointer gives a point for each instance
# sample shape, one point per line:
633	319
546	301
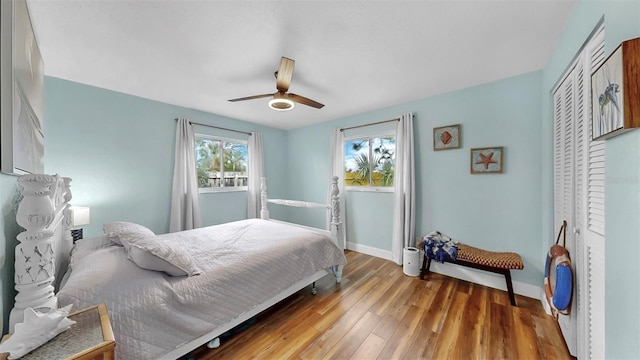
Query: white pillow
114	229
149	253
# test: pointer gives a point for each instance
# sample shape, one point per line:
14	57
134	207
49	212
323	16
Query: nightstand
90	338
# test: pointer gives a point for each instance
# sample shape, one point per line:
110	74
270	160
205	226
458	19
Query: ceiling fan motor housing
280	102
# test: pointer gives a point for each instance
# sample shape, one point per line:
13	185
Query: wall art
21	92
487	160
446	137
615	90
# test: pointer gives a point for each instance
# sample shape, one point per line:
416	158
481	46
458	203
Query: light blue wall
622	183
499	212
119	151
371	228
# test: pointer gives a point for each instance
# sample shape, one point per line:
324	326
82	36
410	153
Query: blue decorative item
562	295
559	298
439	247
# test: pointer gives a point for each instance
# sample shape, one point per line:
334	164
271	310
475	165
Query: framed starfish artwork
487	160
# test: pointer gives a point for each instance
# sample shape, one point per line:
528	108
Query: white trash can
411	261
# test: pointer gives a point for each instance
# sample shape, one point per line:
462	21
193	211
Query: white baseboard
479	277
485	278
545	303
369	250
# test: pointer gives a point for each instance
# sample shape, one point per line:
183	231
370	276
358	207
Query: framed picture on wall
487	160
615	86
22	95
446	137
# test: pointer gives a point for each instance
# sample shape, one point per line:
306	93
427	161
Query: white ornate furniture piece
44	253
44	245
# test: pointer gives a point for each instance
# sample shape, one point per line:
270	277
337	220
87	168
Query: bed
232	271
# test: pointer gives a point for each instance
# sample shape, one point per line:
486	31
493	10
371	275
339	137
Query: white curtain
404	196
337	169
256	171
185	204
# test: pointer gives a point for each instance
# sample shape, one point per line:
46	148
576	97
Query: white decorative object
40	212
264	210
36	329
67	222
336	169
336	225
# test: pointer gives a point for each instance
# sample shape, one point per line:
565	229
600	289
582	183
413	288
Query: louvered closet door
564	150
579	199
590	218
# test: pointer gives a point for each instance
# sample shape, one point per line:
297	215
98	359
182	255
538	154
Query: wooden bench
495	262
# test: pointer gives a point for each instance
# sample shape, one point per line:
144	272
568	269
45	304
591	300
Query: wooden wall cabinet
615	92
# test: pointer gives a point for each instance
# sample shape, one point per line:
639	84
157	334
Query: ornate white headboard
45	245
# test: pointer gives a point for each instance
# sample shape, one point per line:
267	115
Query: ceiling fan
282	100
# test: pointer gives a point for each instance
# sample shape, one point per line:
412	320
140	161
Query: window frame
369	187
222	139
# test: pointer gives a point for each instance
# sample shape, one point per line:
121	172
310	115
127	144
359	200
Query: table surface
88	333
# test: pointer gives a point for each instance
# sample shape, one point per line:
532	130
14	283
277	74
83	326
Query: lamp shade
80	215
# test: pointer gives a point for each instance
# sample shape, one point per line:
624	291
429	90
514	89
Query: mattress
243	263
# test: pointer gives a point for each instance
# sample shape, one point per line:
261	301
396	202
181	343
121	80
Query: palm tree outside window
369	162
221	164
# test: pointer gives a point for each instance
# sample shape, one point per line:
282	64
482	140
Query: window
221	164
369	162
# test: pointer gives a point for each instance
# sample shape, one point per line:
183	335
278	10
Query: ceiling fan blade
285	72
251	97
305	101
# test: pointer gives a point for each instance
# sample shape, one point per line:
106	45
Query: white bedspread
244	263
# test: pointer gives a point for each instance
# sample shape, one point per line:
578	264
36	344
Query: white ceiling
352	56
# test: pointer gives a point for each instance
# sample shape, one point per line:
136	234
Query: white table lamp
80	215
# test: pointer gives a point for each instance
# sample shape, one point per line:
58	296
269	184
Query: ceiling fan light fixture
282	100
281	104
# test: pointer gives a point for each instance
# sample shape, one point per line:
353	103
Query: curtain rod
375	123
217	127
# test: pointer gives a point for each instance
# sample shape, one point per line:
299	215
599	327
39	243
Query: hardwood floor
379	313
